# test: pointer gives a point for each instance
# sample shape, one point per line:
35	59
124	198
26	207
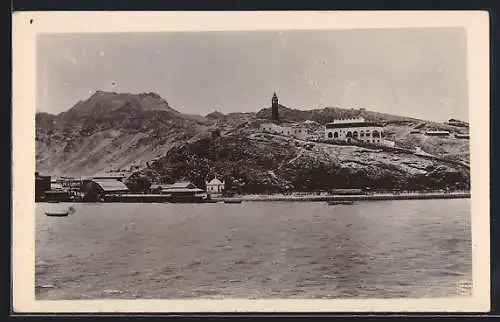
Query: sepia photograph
272	163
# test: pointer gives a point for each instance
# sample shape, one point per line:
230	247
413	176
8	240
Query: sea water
371	249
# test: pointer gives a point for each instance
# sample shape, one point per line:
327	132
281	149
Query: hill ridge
117	129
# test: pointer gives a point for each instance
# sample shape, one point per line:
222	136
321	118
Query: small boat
210	201
336	202
60	212
57	214
233	201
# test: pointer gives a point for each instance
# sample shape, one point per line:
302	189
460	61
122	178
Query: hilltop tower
274	109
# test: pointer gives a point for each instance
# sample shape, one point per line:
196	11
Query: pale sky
417	72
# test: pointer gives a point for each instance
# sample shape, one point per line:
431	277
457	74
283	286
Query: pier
359	197
159	198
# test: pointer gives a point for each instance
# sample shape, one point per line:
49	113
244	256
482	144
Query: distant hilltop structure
296	130
275	117
459	123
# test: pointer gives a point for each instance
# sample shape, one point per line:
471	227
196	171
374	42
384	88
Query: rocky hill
116	130
111	130
263	163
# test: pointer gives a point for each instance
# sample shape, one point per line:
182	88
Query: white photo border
26	27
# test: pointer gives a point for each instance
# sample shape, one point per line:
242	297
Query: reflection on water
381	249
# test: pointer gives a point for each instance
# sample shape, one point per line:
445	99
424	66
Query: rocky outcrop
111	130
265	163
215	115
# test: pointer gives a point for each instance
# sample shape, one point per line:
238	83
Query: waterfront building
48	188
66	183
57	195
158	188
354	129
113	175
183	191
56	185
180	187
42	184
95	189
215	186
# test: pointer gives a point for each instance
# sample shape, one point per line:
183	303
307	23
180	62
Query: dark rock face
216	115
236	158
278	165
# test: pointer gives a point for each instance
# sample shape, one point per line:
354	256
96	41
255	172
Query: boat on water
63	212
233	201
57	214
338	202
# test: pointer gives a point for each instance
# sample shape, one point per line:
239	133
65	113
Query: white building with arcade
354	129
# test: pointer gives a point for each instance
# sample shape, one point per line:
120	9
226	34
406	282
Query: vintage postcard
251	162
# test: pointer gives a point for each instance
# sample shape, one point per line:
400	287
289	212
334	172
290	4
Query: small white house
215	186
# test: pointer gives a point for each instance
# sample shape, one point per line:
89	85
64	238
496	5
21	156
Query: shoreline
359	197
148	198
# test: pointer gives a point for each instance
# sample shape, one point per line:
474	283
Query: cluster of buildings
442	133
344	130
104	187
214	186
47	187
296	130
350	130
